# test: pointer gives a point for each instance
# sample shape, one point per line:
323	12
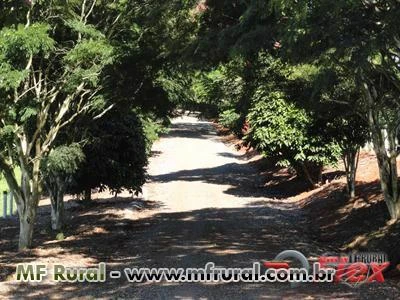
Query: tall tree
362	37
334	91
49	75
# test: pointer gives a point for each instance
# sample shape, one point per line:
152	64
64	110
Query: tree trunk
56	188
88	194
386	153
389	183
352	187
26	225
27	217
350	160
57	207
27	203
312	172
57	215
384	141
26	196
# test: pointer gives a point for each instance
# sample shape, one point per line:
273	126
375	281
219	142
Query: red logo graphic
367	268
352	269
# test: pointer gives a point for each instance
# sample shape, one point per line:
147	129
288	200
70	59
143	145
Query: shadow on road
229	237
248	179
191	130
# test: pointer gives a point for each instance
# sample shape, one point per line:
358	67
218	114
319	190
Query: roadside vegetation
307	88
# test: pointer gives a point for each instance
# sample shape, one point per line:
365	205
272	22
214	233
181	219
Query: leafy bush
63	160
229	118
115	155
221	89
153	128
280	129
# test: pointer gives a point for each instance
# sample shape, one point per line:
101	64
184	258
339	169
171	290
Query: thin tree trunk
88	194
384	140
350	160
27	217
352	187
57	215
389	177
57	205
311	172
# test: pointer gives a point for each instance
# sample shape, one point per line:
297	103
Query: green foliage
86	30
60	236
87	59
229	29
25	41
222	89
89	53
280	129
115	152
10	78
16	46
334	91
152	129
99	81
177	86
229	118
64	160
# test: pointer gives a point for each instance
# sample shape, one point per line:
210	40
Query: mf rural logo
289	266
352	269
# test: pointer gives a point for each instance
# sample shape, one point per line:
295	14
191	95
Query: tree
47	79
352	135
363	38
282	125
334	90
280	129
115	151
228	29
58	169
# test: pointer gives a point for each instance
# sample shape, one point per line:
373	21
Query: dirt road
204	203
192	170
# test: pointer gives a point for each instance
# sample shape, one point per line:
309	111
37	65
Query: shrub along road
204	203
